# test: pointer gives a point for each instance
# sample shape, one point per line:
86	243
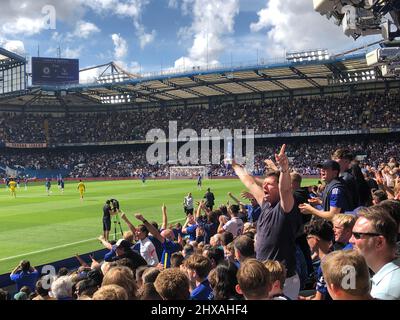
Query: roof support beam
246	85
303	76
149	97
86	97
210	85
276	82
186	89
155	91
35	97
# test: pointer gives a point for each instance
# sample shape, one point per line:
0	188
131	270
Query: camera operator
107	212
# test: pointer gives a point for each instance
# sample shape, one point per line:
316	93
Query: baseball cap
330	164
122	243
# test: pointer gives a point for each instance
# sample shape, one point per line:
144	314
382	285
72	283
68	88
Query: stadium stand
347	112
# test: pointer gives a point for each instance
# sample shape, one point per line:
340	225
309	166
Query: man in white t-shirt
234	225
374	236
147	249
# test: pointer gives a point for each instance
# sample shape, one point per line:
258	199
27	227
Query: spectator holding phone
25	275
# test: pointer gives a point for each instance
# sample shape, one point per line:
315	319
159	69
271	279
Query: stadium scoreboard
50	71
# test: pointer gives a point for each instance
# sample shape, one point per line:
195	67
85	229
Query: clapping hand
305	208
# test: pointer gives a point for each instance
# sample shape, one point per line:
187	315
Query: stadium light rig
311	55
353	77
116	99
112	78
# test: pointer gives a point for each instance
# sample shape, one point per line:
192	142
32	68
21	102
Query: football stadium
268	179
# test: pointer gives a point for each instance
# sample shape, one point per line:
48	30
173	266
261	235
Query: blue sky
147	35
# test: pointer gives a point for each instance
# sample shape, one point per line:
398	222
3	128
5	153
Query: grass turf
44	228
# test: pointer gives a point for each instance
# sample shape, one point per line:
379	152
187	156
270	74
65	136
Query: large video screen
49	71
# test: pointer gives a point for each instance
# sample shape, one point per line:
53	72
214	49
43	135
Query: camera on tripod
114	204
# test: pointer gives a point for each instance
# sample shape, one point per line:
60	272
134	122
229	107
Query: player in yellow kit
12	185
81	188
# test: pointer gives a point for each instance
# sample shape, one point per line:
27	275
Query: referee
188	204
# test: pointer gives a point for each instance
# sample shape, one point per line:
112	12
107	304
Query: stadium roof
195	84
7	58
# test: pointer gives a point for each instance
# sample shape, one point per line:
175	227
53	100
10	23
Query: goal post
188	172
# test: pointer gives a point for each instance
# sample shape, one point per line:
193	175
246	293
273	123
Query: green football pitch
44	228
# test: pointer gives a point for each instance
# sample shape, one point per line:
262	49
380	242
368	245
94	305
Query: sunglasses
358	235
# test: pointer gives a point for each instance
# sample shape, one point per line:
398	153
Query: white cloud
85	29
66	52
71	53
120	46
24	25
212	22
15	46
144	38
100	5
21	17
173	4
90	76
294	25
57	37
132	67
130	8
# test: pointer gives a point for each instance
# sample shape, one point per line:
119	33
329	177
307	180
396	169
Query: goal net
188	172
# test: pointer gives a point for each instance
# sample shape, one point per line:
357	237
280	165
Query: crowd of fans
129	162
269	244
348	112
278	241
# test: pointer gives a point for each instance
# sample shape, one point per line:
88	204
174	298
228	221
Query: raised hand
180	239
235	164
379	178
282	159
139	217
222	219
270	165
246	195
